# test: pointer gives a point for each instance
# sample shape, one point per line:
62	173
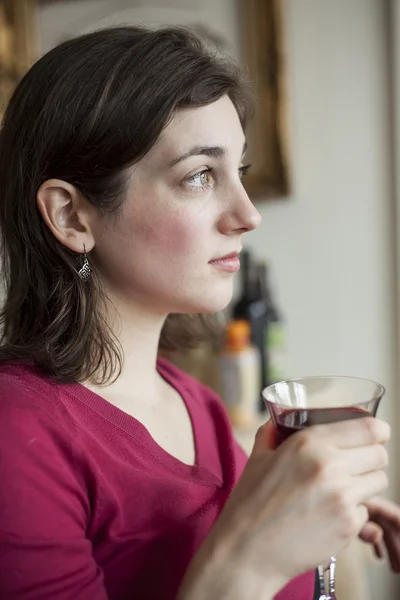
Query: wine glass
298	403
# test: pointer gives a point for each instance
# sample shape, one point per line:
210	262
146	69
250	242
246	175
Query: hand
296	506
383	529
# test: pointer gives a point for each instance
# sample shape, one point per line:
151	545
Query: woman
122	213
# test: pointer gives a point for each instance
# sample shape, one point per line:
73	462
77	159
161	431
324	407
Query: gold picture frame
264	57
18	43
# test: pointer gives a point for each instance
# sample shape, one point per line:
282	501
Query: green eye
204	178
201	179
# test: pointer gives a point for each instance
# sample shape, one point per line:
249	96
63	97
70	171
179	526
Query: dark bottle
252	307
250	290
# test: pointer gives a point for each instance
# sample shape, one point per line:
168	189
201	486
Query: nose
240	215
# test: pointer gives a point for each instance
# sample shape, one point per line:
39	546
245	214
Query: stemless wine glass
298	403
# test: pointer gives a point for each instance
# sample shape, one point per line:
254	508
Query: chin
212	308
210	302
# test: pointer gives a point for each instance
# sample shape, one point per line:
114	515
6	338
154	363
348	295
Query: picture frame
264	58
261	52
18	43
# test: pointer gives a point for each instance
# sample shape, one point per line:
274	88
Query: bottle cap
238	334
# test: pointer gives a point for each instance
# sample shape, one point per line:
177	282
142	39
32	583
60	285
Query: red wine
292	420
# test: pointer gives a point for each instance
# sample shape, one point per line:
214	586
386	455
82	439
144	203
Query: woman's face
185	207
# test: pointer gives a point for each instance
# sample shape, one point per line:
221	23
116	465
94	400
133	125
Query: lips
231	255
229	262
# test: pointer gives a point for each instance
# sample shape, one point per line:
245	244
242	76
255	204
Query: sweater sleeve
44	508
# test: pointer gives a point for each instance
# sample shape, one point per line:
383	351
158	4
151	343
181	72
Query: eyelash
242	173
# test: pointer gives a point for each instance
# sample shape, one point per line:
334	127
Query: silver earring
85	271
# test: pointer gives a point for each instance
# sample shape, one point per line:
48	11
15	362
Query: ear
67	214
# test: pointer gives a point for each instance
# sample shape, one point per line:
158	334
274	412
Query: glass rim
379	387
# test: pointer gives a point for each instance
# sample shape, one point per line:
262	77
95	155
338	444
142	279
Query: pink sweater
91	507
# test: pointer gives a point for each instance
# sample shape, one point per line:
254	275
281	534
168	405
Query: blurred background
325	149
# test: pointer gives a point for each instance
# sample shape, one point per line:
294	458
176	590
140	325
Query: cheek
176	234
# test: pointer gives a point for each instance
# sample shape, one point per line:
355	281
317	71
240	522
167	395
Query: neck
138	332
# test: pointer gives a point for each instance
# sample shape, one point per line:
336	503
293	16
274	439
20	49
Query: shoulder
39	442
29	401
45	507
24	378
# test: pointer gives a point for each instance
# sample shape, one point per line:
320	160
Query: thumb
265	438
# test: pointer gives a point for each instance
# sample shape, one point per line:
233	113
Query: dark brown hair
84	113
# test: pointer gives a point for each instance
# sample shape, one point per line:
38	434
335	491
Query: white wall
59	20
331	244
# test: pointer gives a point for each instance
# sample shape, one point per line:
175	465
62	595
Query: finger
379	549
367	486
387	515
365	459
384	512
371	533
392	543
362	431
266	438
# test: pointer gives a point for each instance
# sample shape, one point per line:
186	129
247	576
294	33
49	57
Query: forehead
214	124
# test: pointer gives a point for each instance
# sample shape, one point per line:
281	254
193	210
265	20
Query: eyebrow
213	151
